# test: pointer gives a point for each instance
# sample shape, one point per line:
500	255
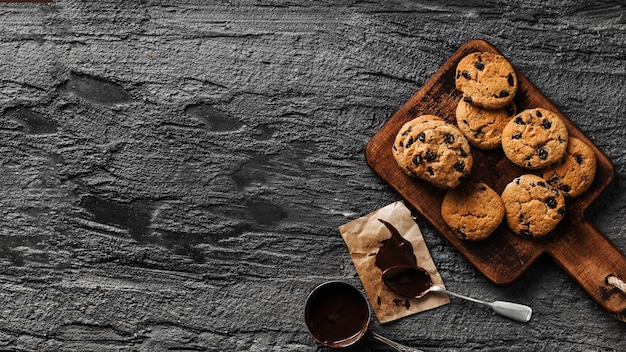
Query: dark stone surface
173	173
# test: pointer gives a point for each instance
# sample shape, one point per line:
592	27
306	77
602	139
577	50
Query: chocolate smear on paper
394	251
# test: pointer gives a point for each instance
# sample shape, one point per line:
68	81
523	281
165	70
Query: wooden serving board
575	244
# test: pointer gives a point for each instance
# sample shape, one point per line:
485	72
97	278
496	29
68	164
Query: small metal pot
336	314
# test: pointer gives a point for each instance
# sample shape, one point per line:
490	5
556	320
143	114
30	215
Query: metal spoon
411	281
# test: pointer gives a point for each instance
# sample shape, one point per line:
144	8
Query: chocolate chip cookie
533	207
535	138
473	210
439	155
408	134
574	173
486	80
483	127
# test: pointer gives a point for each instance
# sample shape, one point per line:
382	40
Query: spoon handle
518	312
457	295
513	311
397	346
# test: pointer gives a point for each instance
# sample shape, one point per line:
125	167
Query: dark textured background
172	174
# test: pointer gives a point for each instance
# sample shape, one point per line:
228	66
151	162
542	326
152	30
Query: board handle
594	263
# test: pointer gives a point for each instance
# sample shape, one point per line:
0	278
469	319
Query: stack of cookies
431	149
536	139
489	84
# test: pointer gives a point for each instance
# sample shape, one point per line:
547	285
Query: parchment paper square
363	237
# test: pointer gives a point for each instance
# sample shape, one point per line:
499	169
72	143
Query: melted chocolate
408	281
336	314
395	250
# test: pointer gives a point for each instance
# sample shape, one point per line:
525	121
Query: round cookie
533	207
486	80
440	156
535	138
574	173
408	133
473	210
483	127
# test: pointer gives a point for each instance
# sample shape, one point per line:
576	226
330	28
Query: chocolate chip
526	234
458	74
543	154
509	109
421	137
418	160
466	75
504	93
409	142
510	79
431	156
467	99
516	136
539	114
462	152
519	120
551	202
401	144
431	172
542	184
561	211
579	159
565	188
482	188
517	180
520	218
448	138
479	65
554	179
459	166
395	148
465	122
546	123
460	234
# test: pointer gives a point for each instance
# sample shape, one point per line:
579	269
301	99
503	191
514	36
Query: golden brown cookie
486	80
533	207
535	138
483	127
574	173
473	210
408	134
439	155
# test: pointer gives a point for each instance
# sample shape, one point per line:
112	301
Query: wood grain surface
173	173
581	250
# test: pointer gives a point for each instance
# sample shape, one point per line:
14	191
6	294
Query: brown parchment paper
363	237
